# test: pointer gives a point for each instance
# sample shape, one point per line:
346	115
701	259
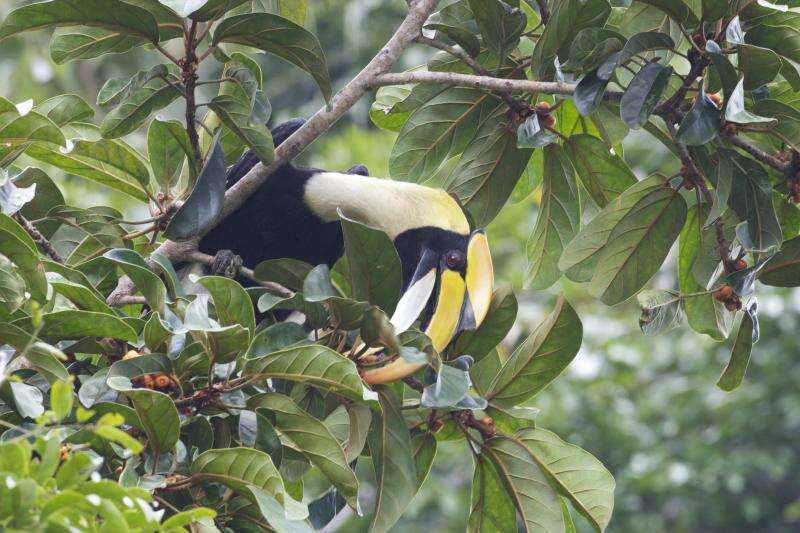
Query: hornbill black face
447	269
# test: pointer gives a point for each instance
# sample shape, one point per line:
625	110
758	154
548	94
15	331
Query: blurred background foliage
686	455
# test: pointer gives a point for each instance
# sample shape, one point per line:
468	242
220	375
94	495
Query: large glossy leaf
17	129
576	474
231	302
751	199
148	283
570	18
540	358
759	65
526	485
373	265
735	110
785	40
678	10
90	43
158	416
73	324
214	9
237	115
589	93
488	170
288	272
390	447
279	36
317	366
109	14
155	94
604	174
500	24
84	297
643	94
168	146
632	250
109	162
558	219
701	123
783	270
12	287
20	249
239	468
204	203
314	441
494	328
491	509
46	359
440	128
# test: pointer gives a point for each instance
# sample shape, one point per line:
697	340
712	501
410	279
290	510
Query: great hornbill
447	269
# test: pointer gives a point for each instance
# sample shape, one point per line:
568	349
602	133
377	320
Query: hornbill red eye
454	259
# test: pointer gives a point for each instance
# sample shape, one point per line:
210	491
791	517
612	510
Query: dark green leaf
71	324
279	36
589	93
783	270
500	24
373	264
148	283
558	219
159	418
643	94
735	111
678	10
231	302
491	509
759	65
109	14
18	246
604	175
204	203
494	328
90	43
751	199
168	146
136	108
734	371
661	310
701	123
288	272
238	116
540	359
390	447
239	468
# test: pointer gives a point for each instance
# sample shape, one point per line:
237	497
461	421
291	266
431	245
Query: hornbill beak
460	302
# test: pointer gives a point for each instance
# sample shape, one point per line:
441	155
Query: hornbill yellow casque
447	268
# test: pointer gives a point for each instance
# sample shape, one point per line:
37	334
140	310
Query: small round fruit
148	382
549	120
132	354
723	293
487	421
716	98
739	264
163	382
543	106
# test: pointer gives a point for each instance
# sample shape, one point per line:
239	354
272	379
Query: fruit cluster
545	118
159	381
727	297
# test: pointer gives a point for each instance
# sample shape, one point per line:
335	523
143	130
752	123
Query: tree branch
758	153
40	239
478	82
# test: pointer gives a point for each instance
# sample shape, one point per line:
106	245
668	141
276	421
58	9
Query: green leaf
84	297
373	264
491	509
785	40
759	65
439	128
578	475
645	42
204	204
589	93
19	248
108	162
735	111
494	328
714	9
783	270
239	469
449	388
643	94
281	37
148	283
531	134
661	310
12	287
16	129
751	199
526	485
90	43
638	245
568	20
288	272
184	8
488	170
455	31
44	358
275	513
231	302
701	311
159	418
238	117
390	447
377	330
678	10
423	449
168	146
500	24
137	107
385	111
315	365
605	175
313	440
724	69
123	371
701	123
108	14
540	358
26	399
734	371
558	219
71	324
214	9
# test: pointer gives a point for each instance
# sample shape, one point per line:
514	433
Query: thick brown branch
478	82
40	239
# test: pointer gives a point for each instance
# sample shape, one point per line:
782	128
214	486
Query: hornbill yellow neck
446	268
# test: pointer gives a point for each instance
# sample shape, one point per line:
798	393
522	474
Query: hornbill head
447	268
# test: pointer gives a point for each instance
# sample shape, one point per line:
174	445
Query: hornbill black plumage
447	269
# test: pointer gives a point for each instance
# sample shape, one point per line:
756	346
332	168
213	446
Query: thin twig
166	54
758	153
37	236
544	11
